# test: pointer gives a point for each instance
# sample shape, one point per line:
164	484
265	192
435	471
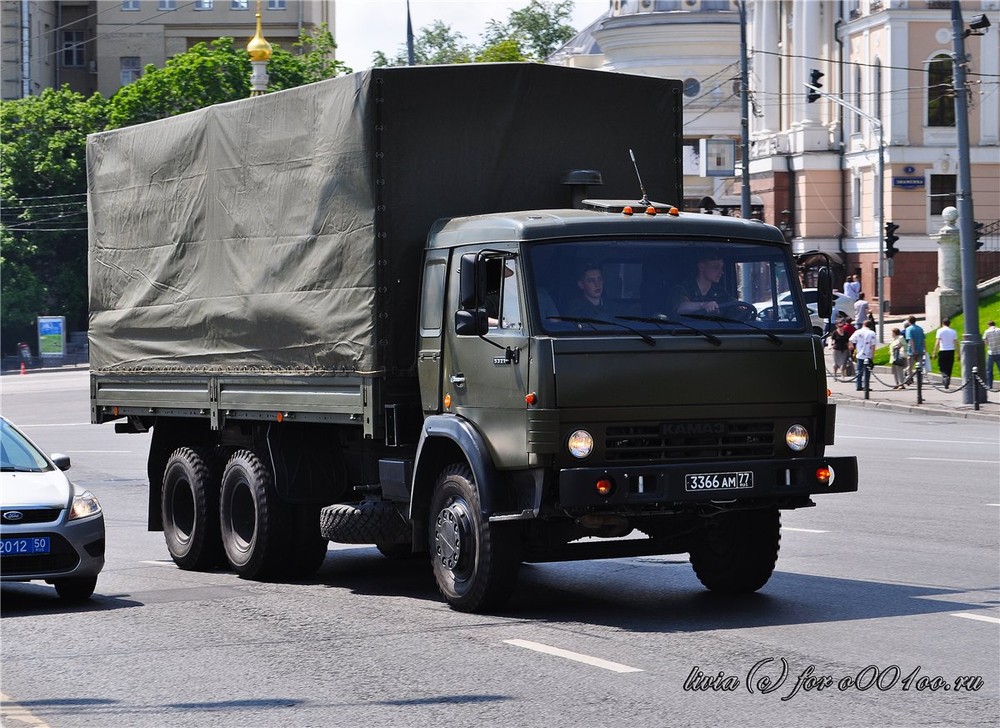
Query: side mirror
472	322
824	293
468	285
59	460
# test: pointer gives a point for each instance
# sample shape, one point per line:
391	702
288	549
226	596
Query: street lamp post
972	343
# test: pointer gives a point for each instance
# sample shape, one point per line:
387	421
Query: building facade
815	165
101	46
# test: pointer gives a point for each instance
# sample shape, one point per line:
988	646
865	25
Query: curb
922	409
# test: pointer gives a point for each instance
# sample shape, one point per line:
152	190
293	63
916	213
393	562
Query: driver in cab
704	293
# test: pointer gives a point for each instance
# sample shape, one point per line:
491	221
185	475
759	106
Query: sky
365	26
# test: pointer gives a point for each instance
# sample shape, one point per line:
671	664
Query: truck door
487	376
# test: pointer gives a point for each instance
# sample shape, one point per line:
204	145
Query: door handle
457	379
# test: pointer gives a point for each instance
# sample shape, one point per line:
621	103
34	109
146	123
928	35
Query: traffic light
890	239
814	76
977	234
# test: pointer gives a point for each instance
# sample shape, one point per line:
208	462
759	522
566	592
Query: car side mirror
471	322
59	460
824	293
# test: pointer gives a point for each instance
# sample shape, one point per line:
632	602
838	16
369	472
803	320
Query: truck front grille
669	441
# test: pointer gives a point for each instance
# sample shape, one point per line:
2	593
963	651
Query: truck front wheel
736	552
256	523
190	508
475	563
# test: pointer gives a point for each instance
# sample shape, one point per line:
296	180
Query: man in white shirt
852	288
944	350
860	309
863	341
991	338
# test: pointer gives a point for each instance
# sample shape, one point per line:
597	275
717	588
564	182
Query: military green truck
432	309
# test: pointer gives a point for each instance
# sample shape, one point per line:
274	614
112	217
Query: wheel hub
452	534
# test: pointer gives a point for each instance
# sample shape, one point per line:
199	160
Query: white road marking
576	656
993	504
953	460
803	530
95	452
12	711
53	424
978	617
161	562
917	439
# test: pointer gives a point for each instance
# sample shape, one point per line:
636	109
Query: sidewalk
936	400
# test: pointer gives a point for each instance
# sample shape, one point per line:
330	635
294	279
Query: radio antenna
644	200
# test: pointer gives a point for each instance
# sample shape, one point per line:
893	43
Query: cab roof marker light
627	210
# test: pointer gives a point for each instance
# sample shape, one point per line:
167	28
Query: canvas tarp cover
284	233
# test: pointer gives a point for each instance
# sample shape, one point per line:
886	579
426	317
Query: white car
50	529
841	303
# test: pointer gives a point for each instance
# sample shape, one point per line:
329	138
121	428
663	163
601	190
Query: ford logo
13	516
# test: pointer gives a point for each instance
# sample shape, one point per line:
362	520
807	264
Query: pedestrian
838	342
897	355
915	346
944	350
863	342
849	330
852	288
861	309
991	338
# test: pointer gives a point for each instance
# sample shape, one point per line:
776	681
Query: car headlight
85	504
580	444
797	438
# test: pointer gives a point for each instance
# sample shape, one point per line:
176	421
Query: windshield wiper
664	320
726	319
17	469
581	320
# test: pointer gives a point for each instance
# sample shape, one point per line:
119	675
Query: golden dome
259	49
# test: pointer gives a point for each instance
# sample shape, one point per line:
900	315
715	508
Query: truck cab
634	409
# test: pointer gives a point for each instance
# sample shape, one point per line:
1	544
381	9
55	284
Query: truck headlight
797	438
580	444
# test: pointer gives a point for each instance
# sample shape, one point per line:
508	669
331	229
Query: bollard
920	382
868	377
24	369
975	391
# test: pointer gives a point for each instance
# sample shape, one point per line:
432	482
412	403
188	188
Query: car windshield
620	287
17	454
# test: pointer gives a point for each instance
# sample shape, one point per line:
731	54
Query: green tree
433	44
540	28
216	72
44	205
529	34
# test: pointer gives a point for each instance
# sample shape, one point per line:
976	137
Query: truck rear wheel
475	563
737	551
190	509
256	523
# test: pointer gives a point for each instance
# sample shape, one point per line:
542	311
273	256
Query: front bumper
659	485
77	549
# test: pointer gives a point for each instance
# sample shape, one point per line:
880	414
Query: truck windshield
650	286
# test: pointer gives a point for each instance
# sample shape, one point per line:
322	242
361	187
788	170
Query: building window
130	4
131	69
73	56
277	5
239	4
204	4
940	92
858	98
166	5
943	187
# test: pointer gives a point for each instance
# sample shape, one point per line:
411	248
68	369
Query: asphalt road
881	601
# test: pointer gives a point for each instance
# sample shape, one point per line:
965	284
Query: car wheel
475	563
190	508
75	588
256	524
